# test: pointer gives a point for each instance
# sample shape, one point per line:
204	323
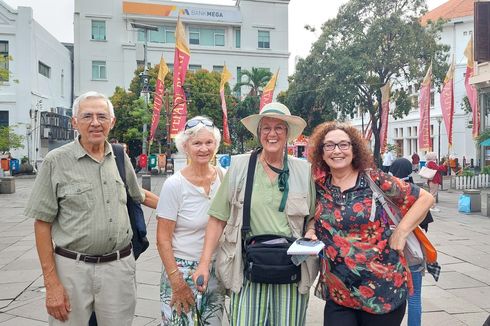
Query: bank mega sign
211	13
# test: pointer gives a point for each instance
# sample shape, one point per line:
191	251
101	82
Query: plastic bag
464	204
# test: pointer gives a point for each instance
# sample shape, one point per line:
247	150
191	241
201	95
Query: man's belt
126	251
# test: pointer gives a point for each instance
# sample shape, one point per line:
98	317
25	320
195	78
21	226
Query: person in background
79	204
273	211
415	162
436	181
182	218
402	168
388	159
364	277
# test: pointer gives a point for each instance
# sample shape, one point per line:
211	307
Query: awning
486	142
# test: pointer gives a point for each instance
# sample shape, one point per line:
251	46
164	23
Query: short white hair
183	137
431	156
89	96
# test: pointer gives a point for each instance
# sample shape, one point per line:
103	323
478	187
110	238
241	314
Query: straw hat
278	111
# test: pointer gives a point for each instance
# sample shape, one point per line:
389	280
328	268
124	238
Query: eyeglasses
279	129
343	146
194	122
89	117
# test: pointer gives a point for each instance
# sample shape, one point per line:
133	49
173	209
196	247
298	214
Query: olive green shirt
85	200
265	217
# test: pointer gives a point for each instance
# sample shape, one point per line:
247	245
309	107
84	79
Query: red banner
425	143
181	62
225	77
447	103
268	92
470	89
158	98
385	111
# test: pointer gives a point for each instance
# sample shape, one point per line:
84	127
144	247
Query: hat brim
296	125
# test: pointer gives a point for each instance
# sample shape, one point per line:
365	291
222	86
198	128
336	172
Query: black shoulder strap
248	193
118	151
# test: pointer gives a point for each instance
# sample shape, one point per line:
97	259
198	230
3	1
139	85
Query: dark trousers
335	314
93	320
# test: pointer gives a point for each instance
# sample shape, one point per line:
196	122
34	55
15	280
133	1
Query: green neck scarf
282	180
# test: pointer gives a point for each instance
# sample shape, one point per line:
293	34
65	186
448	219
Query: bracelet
173	272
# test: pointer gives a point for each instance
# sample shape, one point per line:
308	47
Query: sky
59	22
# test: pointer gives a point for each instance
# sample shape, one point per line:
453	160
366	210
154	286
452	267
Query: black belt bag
266	260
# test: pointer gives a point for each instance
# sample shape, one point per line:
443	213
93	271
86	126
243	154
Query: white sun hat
276	110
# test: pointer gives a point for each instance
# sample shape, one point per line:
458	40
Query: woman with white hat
282	199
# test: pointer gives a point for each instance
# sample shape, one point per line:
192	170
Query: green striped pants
259	304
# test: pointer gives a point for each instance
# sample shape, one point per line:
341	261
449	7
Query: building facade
36	96
109	45
456	33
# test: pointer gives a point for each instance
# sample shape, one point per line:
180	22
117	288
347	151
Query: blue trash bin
14	166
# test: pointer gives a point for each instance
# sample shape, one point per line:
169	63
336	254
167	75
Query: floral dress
358	268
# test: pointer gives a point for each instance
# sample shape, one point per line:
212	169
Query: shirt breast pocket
297	207
76	196
121	191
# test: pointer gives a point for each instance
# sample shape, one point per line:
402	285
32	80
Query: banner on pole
225	77
385	110
470	89
447	103
268	92
158	97
425	143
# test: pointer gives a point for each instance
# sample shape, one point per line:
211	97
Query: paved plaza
461	297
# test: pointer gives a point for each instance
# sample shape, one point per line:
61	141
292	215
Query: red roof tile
450	10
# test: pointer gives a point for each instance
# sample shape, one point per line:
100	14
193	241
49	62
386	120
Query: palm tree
256	79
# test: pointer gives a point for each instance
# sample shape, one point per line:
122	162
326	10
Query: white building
252	33
404	132
38	92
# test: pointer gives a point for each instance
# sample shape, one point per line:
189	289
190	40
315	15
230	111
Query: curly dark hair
362	155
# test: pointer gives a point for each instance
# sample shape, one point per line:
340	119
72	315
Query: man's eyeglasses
89	117
343	146
279	129
194	122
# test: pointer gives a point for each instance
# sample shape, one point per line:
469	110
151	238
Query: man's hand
57	302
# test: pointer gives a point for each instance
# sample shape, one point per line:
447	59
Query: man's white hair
92	95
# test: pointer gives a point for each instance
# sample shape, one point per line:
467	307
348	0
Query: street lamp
439	120
144	79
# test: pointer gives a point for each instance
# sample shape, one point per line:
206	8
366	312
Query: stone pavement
461	297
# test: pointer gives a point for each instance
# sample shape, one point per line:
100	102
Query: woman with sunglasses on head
182	218
281	200
364	277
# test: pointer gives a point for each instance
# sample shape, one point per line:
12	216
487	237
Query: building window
218	69
207	36
4	63
194	68
238	38
98	30
264	40
4	118
165	34
44	69
99	70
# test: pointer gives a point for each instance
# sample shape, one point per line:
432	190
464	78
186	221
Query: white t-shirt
388	159
187	205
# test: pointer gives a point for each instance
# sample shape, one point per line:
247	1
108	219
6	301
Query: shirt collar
81	152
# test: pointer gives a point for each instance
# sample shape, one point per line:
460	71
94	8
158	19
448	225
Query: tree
256	79
131	112
369	43
9	140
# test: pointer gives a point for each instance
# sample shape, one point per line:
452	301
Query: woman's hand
201	270
310	234
398	239
182	296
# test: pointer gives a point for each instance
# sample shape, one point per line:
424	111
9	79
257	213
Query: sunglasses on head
194	122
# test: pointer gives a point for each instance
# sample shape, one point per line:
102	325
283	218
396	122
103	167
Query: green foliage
239	134
486	170
368	43
256	79
484	135
9	140
465	105
131	112
468	173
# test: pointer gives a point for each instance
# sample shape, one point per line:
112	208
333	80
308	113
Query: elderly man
79	203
